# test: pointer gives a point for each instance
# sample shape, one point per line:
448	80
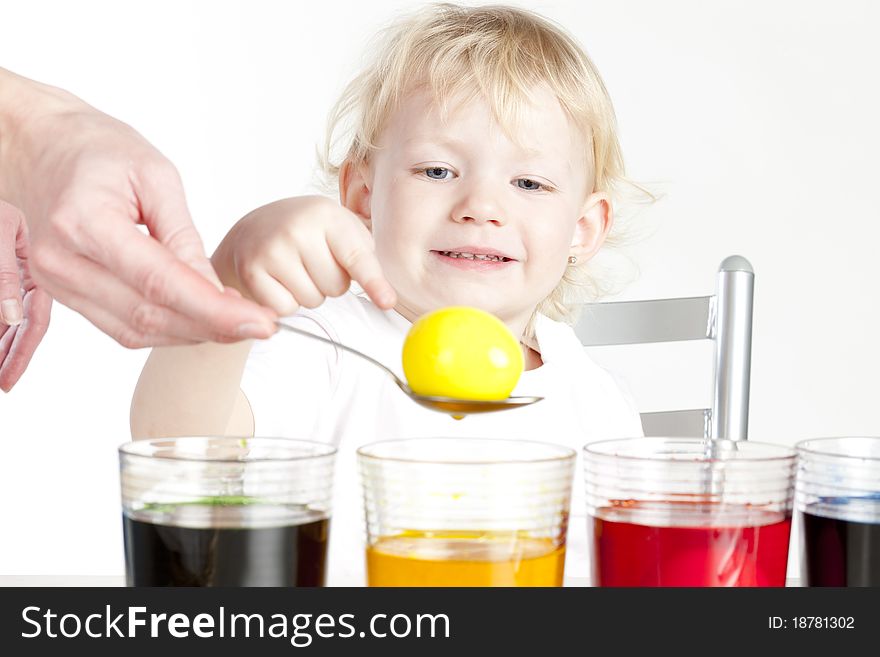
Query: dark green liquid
229	545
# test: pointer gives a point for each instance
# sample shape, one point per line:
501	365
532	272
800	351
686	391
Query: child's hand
299	251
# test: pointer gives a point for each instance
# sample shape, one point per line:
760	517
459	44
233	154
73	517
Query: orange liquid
464	559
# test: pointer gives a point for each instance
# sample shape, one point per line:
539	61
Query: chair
725	318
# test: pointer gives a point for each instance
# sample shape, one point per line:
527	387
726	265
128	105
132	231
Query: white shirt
299	388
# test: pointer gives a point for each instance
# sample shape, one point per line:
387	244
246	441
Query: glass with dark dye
838	506
204	511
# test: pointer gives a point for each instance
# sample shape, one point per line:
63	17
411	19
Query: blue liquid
838	551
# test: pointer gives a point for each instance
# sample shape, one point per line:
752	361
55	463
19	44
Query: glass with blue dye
838	503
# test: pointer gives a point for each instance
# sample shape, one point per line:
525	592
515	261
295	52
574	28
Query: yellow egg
462	352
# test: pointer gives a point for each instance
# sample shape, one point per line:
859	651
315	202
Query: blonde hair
500	53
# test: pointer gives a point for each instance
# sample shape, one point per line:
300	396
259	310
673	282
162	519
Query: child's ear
354	190
592	227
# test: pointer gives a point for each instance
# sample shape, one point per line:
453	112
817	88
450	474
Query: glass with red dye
688	512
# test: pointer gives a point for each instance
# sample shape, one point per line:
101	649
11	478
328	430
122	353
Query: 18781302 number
812	623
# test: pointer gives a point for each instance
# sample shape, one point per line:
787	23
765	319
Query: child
479	171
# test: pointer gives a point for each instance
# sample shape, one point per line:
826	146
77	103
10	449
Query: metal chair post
733	348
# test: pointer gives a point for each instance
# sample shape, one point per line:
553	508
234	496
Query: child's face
435	189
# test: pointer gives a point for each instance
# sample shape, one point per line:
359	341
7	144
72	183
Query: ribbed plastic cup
202	511
838	504
466	512
688	512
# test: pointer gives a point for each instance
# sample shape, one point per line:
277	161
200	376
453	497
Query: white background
756	120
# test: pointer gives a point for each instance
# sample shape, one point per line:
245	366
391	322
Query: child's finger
327	274
296	280
353	250
272	291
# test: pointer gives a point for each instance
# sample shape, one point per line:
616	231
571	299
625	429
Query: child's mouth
473	261
474	256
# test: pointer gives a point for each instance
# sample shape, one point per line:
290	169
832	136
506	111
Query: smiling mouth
474	256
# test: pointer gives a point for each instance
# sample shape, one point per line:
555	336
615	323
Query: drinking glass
688	512
466	511
206	511
838	504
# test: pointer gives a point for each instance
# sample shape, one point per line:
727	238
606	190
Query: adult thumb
13	241
166	216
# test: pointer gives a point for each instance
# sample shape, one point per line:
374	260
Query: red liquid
689	544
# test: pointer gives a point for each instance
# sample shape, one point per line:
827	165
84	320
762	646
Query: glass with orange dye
466	558
466	512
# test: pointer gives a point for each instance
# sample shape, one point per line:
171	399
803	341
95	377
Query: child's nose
478	207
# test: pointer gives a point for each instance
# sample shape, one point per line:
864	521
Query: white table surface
114	580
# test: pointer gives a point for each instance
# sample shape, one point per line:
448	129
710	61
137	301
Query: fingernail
252	330
10	310
387	298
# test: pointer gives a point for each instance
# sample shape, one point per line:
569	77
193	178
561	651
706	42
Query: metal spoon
457	408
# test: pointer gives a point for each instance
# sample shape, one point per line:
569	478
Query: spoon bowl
457	408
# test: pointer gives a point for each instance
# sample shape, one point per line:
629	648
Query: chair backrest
725	318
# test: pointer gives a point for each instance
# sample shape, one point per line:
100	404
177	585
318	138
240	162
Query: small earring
572	260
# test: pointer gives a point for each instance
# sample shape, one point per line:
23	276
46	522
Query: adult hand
24	308
84	182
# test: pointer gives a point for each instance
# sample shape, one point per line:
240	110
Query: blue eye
437	173
528	185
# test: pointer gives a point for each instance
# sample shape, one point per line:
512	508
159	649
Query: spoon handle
339	345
